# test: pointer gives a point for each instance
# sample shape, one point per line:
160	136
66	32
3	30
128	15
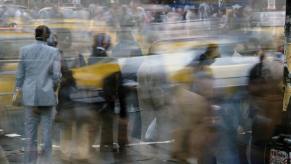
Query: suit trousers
34	116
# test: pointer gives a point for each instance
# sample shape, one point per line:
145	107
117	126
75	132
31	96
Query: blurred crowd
206	124
134	13
117	95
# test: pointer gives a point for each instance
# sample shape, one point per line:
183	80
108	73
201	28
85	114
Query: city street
145	81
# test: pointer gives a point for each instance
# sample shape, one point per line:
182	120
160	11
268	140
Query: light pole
287	75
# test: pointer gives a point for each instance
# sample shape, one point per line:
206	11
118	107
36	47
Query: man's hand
17	89
16	97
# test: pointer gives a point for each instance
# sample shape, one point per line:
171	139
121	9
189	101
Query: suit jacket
38	73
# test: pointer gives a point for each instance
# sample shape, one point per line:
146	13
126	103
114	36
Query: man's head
102	40
42	33
212	52
266	78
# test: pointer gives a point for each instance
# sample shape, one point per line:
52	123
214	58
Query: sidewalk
138	152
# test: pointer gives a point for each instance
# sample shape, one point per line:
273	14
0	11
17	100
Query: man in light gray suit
37	77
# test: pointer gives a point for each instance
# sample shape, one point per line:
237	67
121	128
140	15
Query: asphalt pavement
137	151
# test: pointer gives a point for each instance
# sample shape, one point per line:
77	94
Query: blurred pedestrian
92	8
193	134
154	97
73	129
138	14
204	11
102	43
128	47
190	13
240	103
232	123
207	58
265	89
222	147
111	14
113	93
37	77
222	18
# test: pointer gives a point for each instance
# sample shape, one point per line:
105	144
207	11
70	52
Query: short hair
42	33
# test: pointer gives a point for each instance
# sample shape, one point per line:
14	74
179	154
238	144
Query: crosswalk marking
142	143
12	135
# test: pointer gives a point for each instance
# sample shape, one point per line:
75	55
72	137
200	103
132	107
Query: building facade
255	4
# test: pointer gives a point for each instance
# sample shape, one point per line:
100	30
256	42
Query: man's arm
20	71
